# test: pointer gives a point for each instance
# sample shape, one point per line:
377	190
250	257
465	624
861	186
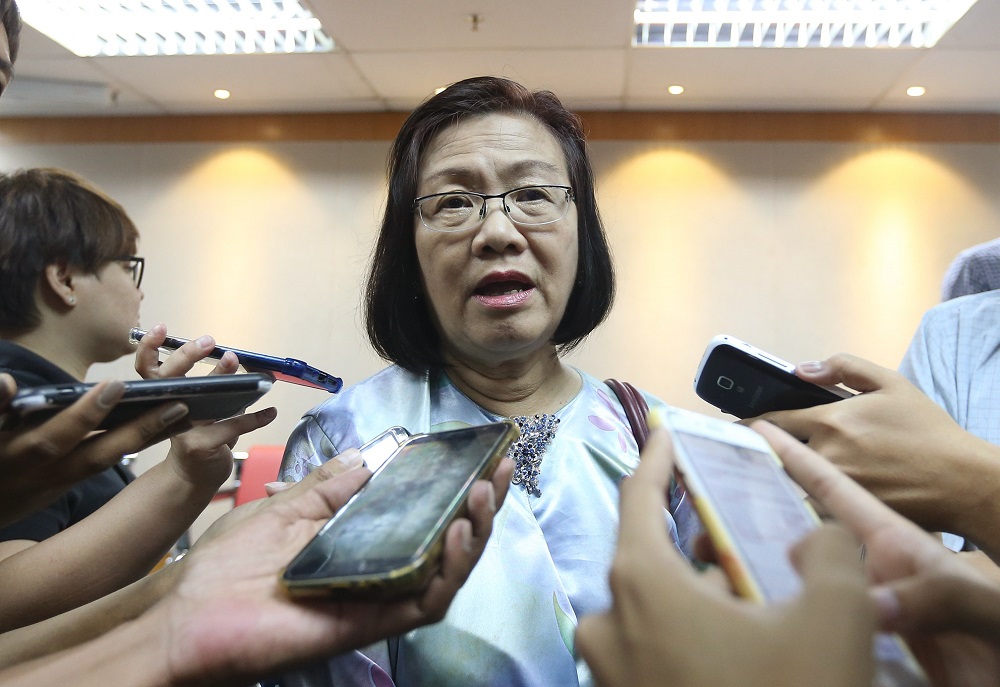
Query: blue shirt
954	358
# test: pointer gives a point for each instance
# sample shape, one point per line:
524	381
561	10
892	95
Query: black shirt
29	369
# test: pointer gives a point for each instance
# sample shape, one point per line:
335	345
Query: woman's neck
539	383
60	351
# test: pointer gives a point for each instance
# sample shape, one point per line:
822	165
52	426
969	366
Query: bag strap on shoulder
635	407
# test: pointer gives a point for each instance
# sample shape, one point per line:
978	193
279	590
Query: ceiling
391	54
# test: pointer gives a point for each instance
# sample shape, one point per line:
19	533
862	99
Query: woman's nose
497	232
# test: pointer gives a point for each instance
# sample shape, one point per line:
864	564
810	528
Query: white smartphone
754	513
744	381
386	540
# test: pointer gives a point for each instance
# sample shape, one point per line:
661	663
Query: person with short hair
69	294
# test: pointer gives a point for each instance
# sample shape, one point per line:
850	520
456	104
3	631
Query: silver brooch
536	435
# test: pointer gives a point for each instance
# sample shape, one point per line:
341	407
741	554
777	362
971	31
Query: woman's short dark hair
48	216
399	324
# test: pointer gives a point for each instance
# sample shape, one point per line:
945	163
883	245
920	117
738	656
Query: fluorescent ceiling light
795	23
177	27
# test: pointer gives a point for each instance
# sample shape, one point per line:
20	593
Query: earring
72	300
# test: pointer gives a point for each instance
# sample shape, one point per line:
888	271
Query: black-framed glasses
529	206
136	266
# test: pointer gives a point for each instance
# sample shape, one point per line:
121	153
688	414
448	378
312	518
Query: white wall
803	249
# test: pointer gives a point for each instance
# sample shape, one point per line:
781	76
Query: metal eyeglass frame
483	209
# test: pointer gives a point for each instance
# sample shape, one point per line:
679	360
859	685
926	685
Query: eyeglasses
530	206
136	266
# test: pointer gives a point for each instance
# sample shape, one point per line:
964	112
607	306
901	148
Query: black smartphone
744	381
386	540
283	369
754	514
213	397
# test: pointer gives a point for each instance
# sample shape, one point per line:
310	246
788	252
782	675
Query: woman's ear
59	278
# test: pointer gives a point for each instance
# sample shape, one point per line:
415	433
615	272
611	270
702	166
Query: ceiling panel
955	80
254	80
434	25
404	79
742	78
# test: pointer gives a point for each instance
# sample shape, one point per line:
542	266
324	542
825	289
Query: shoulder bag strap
635	407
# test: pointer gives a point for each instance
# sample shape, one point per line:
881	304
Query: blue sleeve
930	361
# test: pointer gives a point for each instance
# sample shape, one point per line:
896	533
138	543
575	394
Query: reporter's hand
229	621
895	442
276	492
41	463
671	625
947	609
201	456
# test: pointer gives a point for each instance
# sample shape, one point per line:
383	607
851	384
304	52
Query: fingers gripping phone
754	513
212	397
282	369
386	540
744	381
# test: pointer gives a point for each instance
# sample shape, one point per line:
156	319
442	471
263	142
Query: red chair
260	467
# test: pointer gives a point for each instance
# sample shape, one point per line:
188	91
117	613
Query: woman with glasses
69	294
490	264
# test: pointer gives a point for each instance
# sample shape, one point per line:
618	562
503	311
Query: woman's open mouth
503	290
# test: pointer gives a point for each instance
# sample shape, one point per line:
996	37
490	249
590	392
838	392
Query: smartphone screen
754	514
390	530
746	382
763	511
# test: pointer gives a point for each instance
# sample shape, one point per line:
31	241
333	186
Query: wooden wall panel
611	126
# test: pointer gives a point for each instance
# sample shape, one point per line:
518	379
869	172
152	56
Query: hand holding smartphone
386	539
282	369
744	381
754	514
213	397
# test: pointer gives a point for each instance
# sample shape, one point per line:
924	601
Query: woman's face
107	308
497	290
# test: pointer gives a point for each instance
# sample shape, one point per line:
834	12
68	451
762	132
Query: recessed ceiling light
795	23
222	94
915	91
675	90
177	27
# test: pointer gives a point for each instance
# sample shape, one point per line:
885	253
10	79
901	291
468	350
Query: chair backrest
260	467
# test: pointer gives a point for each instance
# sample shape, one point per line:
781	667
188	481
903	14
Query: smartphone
380	448
213	397
283	369
754	513
744	381
386	540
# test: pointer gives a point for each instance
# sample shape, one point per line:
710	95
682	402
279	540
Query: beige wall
802	248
